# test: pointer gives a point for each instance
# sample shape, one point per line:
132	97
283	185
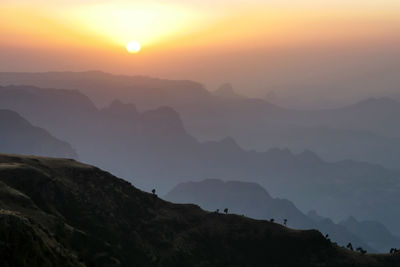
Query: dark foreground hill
57	212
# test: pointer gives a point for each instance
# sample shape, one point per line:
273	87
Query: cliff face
18	136
64	213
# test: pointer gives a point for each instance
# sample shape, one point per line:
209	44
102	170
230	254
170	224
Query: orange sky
160	25
201	40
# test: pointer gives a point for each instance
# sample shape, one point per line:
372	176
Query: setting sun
133	47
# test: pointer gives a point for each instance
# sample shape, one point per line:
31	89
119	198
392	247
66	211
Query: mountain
366	131
334	144
249	199
374	114
254	201
374	233
154	150
146	92
18	136
226	90
61	212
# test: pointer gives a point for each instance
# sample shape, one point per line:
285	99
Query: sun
133	47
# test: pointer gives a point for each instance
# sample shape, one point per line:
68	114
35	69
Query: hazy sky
289	46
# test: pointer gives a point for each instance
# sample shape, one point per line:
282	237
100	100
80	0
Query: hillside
18	136
254	201
65	213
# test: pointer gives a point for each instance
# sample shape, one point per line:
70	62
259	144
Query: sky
292	48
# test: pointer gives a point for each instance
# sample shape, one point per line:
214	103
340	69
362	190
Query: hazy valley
153	149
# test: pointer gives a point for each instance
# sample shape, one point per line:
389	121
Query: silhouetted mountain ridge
65	213
373	102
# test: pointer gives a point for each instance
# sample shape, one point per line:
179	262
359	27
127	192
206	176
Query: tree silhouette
154	193
284	222
272	220
349	246
226	210
217	211
361	250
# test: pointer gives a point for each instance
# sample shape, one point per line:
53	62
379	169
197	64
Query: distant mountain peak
229	141
284	152
58	97
164	120
119	108
309	156
351	219
380	102
226	90
313	215
164	114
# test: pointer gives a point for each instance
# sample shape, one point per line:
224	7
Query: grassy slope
65	213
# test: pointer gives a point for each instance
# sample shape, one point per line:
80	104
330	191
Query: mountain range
18	136
366	131
153	150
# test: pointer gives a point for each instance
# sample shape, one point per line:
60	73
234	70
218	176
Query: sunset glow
153	23
189	33
147	22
